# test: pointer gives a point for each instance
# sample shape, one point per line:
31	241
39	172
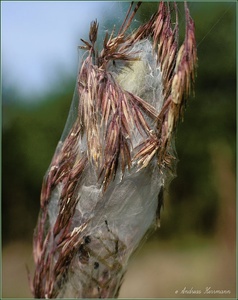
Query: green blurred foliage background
201	199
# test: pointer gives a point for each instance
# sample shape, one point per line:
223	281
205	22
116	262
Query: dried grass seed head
116	156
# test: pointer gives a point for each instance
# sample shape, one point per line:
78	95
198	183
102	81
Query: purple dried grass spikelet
100	194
